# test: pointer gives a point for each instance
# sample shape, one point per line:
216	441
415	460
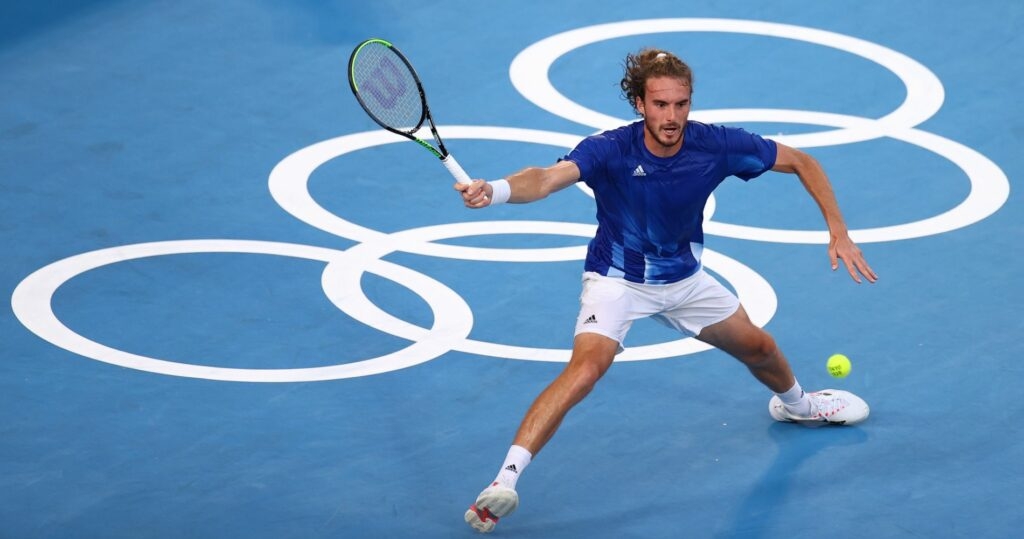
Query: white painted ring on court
341	283
990	189
289	186
32	304
530	68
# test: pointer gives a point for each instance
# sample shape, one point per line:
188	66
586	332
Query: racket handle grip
455	169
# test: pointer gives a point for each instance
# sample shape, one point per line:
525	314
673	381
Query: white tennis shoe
495	502
831	406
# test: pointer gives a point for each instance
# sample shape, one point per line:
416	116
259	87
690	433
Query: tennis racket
388	89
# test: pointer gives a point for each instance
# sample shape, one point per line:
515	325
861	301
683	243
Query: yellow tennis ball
838	365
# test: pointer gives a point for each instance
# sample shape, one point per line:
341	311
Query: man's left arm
815	181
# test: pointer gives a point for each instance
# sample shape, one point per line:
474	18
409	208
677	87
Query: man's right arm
535	183
527	185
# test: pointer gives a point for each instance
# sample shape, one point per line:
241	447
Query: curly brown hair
647	63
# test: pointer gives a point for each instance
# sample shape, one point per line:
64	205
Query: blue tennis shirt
649	208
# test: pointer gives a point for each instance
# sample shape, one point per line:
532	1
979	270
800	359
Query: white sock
516	461
797	401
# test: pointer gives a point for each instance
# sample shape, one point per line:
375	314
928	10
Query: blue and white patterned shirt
649	208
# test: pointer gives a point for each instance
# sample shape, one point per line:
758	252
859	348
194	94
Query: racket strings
388	88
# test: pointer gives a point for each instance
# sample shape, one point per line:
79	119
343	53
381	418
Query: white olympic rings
989	185
925	94
341	284
453	317
31	302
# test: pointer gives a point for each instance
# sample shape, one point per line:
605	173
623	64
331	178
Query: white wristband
500	191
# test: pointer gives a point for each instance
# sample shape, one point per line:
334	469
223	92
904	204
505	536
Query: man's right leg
592	354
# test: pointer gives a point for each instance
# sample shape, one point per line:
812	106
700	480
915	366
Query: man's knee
592	355
584	376
759	351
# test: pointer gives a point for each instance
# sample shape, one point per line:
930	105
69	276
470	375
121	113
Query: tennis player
651	180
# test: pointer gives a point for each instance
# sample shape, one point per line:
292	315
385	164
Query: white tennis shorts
610	305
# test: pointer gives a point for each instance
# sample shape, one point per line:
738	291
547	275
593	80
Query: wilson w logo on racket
388	89
386	85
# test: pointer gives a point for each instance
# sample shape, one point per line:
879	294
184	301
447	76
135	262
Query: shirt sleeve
748	155
590	156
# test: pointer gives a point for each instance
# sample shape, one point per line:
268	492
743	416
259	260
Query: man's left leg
755	348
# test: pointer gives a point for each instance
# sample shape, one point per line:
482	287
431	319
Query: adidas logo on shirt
591	320
639	171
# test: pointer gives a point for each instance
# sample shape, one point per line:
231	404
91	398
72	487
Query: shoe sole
481	516
482	520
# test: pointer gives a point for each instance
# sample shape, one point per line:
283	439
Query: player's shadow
758	510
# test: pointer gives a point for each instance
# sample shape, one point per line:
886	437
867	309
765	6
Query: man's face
665	108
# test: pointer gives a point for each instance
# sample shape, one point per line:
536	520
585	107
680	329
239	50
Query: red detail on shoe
494	484
484	514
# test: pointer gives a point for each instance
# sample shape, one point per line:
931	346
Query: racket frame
440	152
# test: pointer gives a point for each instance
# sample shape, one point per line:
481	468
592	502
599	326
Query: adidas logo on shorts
591	320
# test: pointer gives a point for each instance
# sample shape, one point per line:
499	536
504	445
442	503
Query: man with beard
651	180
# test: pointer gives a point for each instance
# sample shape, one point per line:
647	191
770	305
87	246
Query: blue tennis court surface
239	309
